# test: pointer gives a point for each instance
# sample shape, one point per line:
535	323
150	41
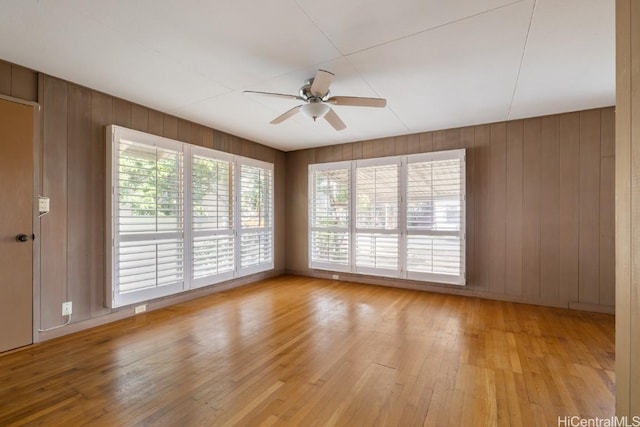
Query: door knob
22	238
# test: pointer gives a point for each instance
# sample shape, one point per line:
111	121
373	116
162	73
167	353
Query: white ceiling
439	64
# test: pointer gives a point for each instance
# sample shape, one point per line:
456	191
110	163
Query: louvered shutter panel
212	213
377	222
148	200
256	218
329	199
435	217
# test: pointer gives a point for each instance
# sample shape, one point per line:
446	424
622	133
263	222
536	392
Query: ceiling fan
315	94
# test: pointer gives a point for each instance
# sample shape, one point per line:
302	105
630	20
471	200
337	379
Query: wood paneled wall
18	82
75	117
627	202
540	207
72	262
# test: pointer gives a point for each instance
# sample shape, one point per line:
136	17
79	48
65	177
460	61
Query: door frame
37	186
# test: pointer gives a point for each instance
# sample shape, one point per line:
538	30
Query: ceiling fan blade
289	113
321	83
279	95
334	120
356	101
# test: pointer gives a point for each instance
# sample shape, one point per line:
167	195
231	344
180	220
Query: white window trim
403	231
117	299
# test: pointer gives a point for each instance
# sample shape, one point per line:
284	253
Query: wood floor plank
300	351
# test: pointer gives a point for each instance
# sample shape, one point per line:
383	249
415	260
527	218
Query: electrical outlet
335	277
67	308
140	309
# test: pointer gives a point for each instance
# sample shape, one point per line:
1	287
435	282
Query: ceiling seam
433	28
524	49
319	29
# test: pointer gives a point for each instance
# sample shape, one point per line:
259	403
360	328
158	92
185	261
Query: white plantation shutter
329	190
212	212
377	230
256	216
182	216
400	216
435	217
148	220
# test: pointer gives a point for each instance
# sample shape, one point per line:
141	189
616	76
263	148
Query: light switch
43	205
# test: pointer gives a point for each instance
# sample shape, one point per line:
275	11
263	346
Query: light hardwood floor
302	351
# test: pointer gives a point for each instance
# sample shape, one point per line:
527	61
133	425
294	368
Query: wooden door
16	218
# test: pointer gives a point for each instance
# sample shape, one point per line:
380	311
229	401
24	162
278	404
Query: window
397	216
330	216
182	216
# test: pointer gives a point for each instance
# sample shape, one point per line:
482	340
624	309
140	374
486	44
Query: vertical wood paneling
426	142
452	139
170	127
207	137
122	112
388	146
413	144
482	209
514	207
607	207
347	151
5	78
280	210
550	209
54	225
589	206
607	232
156	123
401	145
634	109
24	83
183	130
531	208
139	118
101	116
296	209
625	221
467	140
439	140
497	196
79	200
569	206
195	135
357	150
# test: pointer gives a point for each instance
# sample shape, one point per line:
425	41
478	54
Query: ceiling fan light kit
315	109
315	94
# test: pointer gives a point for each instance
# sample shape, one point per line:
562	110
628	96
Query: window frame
115	298
402	231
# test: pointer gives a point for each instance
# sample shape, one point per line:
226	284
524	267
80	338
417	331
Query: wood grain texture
634	372
5	78
627	206
589	206
300	351
514	207
54	185
18	82
550	208
79	200
531	196
101	116
569	206
497	207
482	208
24	83
607	207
